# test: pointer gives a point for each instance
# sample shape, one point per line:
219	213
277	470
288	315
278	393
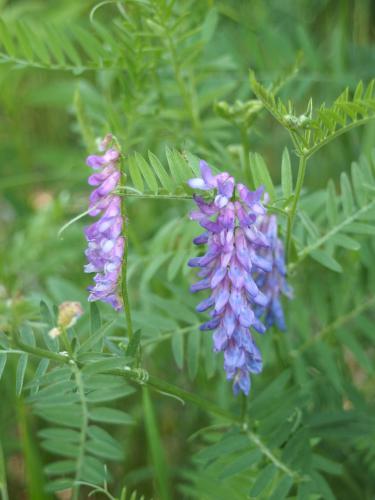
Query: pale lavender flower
105	241
228	268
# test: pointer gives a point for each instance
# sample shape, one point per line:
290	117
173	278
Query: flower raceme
237	266
274	283
105	241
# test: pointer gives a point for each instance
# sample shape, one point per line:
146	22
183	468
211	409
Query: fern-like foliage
76	399
317	127
71	48
283	459
152	178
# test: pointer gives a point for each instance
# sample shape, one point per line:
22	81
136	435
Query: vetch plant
115	383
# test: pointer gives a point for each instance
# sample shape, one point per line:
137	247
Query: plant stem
124	285
141	377
155	196
65	340
41	353
186	94
336	229
246	156
83	433
335	325
3	480
244	403
297	194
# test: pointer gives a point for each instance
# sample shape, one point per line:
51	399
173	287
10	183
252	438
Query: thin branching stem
246	156
3	482
335	325
168	335
326	237
293	210
153	196
124	270
336	134
83	434
41	353
272	457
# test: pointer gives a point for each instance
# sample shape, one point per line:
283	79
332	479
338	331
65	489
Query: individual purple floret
274	283
105	241
233	257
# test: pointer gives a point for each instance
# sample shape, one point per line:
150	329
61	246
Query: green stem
246	156
40	353
83	433
140	376
187	97
168	335
336	134
326	237
124	285
268	453
203	403
4	493
335	325
244	404
3	479
154	196
65	340
297	194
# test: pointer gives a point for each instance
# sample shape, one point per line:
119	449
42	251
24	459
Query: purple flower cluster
274	283
236	268
105	241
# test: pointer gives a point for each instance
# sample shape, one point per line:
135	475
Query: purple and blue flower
240	268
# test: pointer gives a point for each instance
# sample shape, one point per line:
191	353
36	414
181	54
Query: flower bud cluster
68	314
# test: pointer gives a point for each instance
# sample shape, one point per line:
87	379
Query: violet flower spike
273	284
106	244
228	269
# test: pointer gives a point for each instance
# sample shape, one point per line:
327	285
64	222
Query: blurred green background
51	112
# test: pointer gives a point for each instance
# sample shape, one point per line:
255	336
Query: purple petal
210	325
200	285
198	183
205	304
95	161
218	276
220	339
207	175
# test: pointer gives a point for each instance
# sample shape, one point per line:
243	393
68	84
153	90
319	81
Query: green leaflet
261	175
263	480
152	179
286	175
